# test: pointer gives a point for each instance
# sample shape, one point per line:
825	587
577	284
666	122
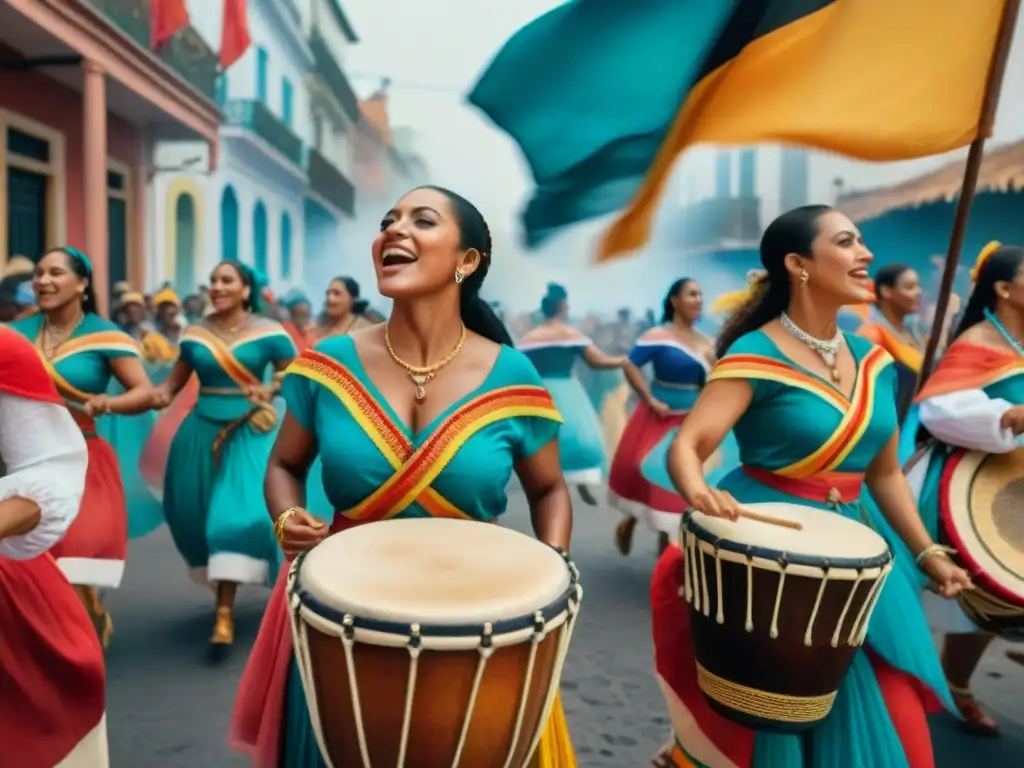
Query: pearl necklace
827	350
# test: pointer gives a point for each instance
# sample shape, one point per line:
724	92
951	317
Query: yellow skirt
555	748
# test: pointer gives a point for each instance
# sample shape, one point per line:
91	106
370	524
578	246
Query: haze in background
434	52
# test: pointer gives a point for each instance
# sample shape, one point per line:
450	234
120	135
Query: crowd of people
255	428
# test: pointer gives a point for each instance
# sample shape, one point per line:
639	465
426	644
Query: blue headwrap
77	254
293	297
256	281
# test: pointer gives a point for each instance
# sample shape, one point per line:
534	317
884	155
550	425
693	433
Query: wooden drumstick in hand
761	517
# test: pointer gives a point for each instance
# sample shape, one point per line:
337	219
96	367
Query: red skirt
51	664
630	491
93	551
674	662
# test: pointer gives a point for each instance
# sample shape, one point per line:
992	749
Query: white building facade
251	208
330	200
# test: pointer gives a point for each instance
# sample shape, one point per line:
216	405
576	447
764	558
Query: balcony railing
327	68
187	53
255	116
330	183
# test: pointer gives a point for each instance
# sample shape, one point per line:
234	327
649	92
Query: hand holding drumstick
717	503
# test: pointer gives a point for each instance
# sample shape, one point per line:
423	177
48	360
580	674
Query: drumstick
761	517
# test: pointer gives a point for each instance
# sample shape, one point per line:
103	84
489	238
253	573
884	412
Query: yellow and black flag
582	90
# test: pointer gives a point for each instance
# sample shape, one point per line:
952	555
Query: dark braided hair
359	306
792	232
476	313
1001	266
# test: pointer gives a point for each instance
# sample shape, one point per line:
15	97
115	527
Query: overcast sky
434	52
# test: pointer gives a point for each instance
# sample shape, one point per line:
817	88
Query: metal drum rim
690	525
560	607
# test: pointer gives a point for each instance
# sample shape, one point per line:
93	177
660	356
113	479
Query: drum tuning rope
485	650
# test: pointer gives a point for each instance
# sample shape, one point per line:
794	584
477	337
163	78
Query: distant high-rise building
723	174
794	179
748	170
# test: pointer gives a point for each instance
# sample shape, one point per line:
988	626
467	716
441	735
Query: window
185	243
262	71
32	216
259	238
286	246
220	92
229	225
286	102
117	225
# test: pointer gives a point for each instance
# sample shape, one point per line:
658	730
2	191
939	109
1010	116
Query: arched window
229	225
259	237
185	243
286	246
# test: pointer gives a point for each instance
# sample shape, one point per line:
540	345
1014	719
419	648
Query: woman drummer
440	372
814	412
52	698
975	400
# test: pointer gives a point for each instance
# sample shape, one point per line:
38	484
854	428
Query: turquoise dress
471	481
782	437
213	484
581	442
127	435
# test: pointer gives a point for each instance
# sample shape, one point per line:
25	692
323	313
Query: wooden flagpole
975	155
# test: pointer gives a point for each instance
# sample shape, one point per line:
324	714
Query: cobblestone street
169	707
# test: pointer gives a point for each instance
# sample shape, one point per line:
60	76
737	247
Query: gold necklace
58	336
422	374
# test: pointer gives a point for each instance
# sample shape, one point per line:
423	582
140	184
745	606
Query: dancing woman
553	347
217	458
681	358
815	415
440	372
52	698
343	310
83	353
975	401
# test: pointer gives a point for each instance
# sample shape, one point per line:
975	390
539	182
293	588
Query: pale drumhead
824	535
434	571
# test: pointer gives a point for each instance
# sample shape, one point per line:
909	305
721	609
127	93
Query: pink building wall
47	101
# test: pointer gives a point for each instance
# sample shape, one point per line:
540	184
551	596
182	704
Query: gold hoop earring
804	276
459	277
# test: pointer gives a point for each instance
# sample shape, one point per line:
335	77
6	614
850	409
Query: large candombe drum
431	642
981	515
776	613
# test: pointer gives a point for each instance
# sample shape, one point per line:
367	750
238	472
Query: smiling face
688	303
338	302
839	267
55	282
420	247
905	295
227	289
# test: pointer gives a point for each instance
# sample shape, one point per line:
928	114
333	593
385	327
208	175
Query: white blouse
45	456
969	419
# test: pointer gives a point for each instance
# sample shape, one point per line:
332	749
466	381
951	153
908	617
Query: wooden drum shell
784	683
436	720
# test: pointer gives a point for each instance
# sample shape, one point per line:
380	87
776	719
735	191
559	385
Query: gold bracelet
280	523
933	550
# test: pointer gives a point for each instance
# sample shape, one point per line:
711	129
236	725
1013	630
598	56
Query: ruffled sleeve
46	460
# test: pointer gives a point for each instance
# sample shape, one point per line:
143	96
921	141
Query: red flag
168	18
234	36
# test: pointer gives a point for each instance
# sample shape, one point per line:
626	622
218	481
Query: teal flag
589	92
